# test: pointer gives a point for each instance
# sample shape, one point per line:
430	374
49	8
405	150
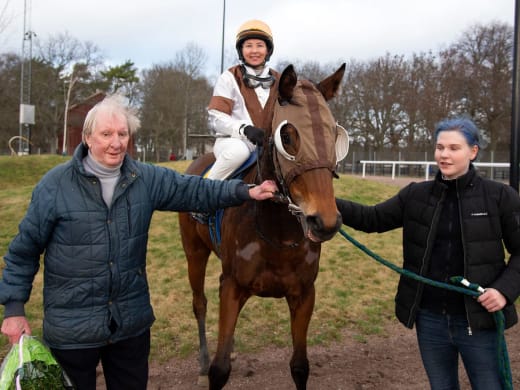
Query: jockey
243	99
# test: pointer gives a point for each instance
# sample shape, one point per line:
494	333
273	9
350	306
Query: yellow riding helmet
254	29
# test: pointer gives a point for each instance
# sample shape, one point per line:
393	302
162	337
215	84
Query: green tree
122	79
9	98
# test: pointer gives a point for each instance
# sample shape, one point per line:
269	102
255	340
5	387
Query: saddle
214	221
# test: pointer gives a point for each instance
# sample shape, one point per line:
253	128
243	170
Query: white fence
426	164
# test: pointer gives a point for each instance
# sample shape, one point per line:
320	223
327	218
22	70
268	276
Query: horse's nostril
314	222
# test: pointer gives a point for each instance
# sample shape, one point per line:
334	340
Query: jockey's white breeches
230	153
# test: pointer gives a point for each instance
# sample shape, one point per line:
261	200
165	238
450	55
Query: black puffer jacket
490	220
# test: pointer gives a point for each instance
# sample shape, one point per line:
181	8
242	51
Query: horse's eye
290	139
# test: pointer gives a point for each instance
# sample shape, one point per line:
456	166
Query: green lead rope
503	357
471	289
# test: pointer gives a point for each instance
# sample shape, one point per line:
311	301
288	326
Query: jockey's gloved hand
254	134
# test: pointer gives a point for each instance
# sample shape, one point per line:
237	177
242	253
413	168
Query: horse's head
307	143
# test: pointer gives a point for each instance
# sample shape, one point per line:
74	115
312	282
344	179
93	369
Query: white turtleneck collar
107	176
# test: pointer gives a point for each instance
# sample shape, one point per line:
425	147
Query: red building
76	117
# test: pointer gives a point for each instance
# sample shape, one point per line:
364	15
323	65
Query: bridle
322	142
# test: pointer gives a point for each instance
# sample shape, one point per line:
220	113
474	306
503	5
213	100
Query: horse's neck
269	208
272	219
266	172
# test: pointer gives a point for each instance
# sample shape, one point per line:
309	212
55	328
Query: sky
325	31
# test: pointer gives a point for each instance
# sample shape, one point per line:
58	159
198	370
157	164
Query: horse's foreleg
199	309
231	302
301	309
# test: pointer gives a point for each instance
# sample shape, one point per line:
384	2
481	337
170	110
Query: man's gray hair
112	104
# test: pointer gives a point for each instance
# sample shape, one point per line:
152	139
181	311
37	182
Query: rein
282	197
470	289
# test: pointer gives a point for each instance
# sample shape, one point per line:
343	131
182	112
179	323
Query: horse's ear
330	85
287	83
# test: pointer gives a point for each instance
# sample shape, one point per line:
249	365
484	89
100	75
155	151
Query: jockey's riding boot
202	218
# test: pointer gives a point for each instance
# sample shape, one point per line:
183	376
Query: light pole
223	30
515	119
26	109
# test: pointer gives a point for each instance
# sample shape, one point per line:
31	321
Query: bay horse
269	248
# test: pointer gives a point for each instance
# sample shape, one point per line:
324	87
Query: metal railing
426	164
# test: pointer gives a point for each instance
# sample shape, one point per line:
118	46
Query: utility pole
26	109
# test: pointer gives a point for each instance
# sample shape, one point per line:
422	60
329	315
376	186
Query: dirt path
389	362
386	363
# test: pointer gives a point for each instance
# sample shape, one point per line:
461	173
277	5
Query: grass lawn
353	291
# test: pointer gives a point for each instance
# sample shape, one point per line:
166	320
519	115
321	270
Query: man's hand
254	134
14	327
266	190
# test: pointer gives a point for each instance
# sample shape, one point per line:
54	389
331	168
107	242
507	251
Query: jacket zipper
470	332
426	256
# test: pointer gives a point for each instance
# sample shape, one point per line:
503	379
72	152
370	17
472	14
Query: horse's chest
276	280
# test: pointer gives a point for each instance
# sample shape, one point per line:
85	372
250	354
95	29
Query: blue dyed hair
462	124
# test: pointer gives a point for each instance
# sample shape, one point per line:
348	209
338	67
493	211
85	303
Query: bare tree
388	104
484	54
66	75
309	70
425	100
394	104
189	62
173	105
376	100
6	17
161	122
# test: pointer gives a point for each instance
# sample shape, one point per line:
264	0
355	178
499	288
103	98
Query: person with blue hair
457	224
464	125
